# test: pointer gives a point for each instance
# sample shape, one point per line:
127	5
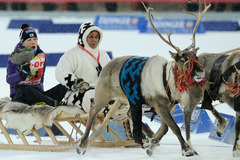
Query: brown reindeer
153	81
223	76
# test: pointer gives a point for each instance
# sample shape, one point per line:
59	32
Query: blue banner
52	58
221	25
172	25
118	22
45	26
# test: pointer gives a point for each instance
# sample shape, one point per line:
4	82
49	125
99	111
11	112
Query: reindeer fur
208	60
154	93
24	117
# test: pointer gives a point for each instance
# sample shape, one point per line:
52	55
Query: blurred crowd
113	6
219	7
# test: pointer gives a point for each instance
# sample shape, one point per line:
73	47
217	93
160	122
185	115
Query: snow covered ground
122	42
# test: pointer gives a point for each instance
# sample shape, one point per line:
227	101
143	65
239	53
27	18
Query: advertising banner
172	25
118	22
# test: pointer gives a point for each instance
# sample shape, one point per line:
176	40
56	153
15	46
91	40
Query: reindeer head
188	71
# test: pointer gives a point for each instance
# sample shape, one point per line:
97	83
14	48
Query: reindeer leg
147	131
187	118
236	147
82	146
100	103
163	111
221	122
156	139
186	149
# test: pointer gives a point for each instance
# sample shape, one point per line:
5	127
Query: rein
183	78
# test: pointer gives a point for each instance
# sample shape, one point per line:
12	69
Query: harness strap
165	83
215	76
230	70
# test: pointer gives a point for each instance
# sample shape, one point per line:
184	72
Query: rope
78	117
183	78
233	88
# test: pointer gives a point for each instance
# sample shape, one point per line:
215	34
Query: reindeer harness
130	81
216	71
215	76
232	87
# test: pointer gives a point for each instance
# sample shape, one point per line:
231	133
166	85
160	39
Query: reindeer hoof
236	153
219	134
151	147
236	149
149	151
80	150
190	153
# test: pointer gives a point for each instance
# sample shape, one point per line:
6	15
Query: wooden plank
100	136
63	116
59	126
110	144
111	131
36	135
75	127
106	121
5	133
29	132
23	138
50	133
36	147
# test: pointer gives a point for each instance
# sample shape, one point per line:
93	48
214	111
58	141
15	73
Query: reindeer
155	82
223	77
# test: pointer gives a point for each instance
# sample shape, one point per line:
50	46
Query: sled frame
70	143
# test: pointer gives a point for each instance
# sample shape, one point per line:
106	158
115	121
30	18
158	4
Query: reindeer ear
173	55
195	50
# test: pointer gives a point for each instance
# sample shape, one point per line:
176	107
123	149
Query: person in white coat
78	69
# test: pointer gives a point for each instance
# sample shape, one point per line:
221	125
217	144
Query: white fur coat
24	117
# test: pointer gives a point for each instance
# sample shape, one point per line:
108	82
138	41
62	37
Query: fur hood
84	30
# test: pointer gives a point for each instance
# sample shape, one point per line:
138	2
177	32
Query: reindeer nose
198	77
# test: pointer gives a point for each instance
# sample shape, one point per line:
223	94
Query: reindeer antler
169	42
199	17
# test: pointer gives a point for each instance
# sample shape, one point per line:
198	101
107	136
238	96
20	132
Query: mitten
81	85
21	56
26	71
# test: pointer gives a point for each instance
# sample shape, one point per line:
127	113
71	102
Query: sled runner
28	120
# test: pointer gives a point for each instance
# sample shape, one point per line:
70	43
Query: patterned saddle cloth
130	80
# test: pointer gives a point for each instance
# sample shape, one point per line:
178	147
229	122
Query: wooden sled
67	141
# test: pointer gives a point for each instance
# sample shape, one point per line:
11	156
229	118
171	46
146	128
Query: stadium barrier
52	58
200	122
228	134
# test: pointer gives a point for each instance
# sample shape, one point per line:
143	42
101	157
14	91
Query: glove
26	71
81	85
